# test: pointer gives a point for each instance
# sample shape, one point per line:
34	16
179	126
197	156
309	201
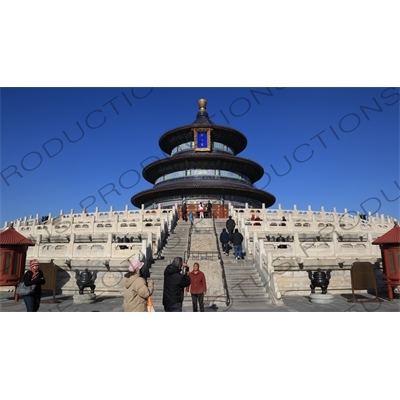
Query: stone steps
250	283
249	289
176	243
243	280
246	286
245	267
175	246
235	297
237	279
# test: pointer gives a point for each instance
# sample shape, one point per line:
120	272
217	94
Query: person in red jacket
197	288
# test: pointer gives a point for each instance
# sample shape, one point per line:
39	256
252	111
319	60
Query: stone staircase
243	281
175	246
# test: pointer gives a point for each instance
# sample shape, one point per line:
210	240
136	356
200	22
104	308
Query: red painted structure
218	211
13	248
389	244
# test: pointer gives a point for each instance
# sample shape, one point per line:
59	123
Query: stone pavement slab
291	304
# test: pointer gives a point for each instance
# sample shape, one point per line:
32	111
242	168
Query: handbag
23	290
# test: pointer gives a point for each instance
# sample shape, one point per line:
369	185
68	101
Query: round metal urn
319	279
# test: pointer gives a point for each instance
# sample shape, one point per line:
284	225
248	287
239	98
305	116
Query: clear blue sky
331	147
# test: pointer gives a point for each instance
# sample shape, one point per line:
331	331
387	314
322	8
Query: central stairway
244	284
175	246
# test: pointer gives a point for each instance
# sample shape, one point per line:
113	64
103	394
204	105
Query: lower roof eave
152	195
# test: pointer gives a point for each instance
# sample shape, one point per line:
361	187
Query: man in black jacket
224	238
230	225
174	283
237	239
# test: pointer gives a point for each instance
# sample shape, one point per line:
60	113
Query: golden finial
202	104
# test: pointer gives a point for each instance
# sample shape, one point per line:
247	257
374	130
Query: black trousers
200	299
173	309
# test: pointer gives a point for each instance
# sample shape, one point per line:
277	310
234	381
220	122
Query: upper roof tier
222	134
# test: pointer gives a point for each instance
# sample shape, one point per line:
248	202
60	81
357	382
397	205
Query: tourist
34	277
201	210
209	209
176	278
184	212
224	238
230	225
136	289
237	239
197	288
280	238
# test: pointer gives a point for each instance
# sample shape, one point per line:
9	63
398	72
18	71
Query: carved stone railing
263	263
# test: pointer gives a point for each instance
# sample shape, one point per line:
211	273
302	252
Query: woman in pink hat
34	277
136	289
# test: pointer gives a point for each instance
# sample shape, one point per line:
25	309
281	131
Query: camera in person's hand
184	270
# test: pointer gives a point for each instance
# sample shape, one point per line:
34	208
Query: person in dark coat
230	225
34	277
237	239
224	238
209	209
174	284
184	211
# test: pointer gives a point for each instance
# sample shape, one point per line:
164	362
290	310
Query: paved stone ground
291	304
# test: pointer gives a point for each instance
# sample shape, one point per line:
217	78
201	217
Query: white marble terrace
313	238
96	236
325	239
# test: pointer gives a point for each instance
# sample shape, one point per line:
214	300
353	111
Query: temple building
203	167
281	247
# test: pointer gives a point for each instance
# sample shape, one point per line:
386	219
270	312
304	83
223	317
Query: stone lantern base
321	298
84	298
